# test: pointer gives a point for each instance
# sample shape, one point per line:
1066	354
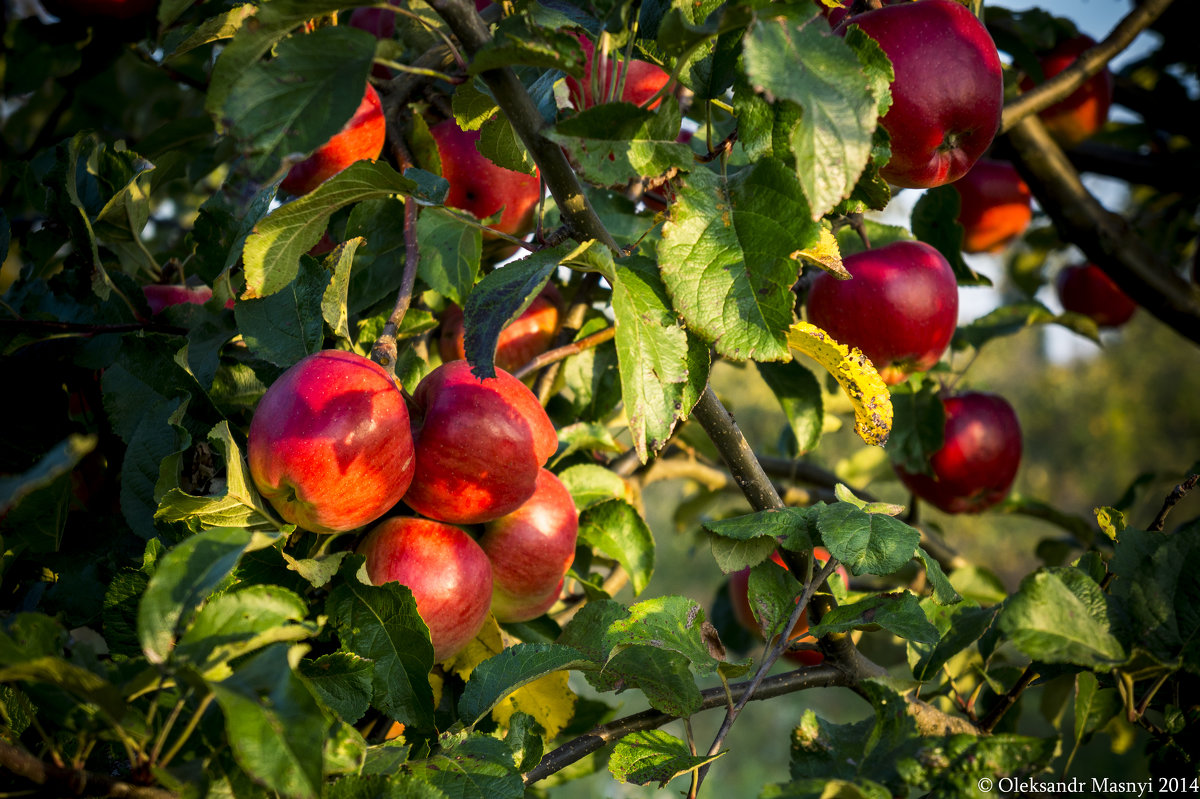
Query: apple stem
383	352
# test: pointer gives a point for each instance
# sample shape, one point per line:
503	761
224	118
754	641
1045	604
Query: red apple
900	307
480	187
1085	111
160	295
531	550
449	575
948	92
99	9
480	445
522	340
997	206
330	445
976	465
642	79
360	138
1086	289
739	595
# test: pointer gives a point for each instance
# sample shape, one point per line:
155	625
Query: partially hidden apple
1085	110
359	139
480	445
531	550
444	567
996	206
520	341
480	187
900	307
163	295
739	595
976	466
642	79
380	23
947	94
1088	290
330	446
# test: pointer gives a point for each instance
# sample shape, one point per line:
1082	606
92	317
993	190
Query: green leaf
822	749
866	543
653	756
1061	616
772	593
919	425
450	253
342	681
652	354
60	460
954	766
516	42
288	325
499	299
944	592
732	555
590	484
501	145
275	725
85	685
899	613
478	767
614	143
615	528
788	526
336	297
672	623
1094	707
510	669
388	785
823	75
183	579
799	394
821	788
302	97
959	627
381	623
935	222
235	624
472	105
726	257
1013	318
272	252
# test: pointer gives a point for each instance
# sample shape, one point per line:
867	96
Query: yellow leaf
548	699
856	375
489	642
825	254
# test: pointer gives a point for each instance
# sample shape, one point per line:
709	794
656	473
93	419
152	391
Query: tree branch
1089	63
1105	238
59	781
1173	499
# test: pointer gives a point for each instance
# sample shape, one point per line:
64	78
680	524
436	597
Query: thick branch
519	109
59	781
1105	238
1088	64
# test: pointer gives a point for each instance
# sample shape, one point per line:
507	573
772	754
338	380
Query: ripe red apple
479	186
1085	111
449	575
1086	289
900	307
330	445
531	550
99	9
739	595
976	465
160	295
360	138
948	92
642	79
996	206
522	340
480	445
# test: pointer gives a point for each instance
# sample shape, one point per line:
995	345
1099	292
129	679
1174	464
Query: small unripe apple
976	466
522	340
739	595
480	445
1085	110
996	206
642	79
449	575
948	92
531	550
360	138
900	307
330	445
480	187
160	295
1088	290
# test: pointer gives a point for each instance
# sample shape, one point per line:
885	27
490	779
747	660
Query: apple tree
613	200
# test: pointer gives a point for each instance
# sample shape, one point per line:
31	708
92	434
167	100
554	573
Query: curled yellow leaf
855	374
826	254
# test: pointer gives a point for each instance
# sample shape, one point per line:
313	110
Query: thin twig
62	781
1005	702
383	352
566	351
1173	499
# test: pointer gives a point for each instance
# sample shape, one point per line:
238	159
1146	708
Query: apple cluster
333	447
